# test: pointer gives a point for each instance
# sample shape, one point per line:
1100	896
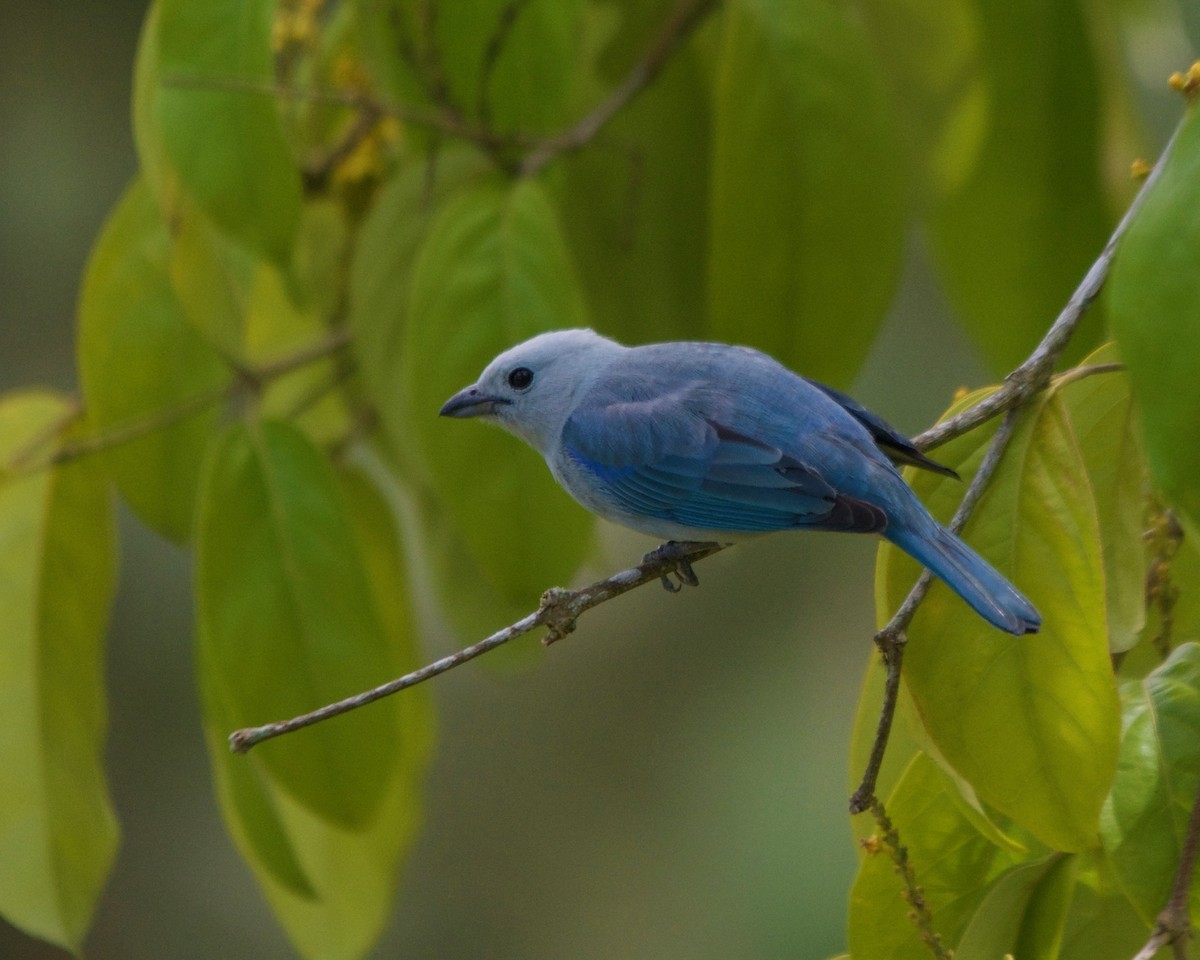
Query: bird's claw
677	554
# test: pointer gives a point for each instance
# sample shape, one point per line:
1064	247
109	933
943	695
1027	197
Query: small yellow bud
1140	169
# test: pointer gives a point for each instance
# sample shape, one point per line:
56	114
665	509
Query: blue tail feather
968	575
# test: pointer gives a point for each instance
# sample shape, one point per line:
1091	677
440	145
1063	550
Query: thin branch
1019	388
558	612
1173	925
1033	375
449	123
491	56
892	638
255	376
687	15
914	896
560	608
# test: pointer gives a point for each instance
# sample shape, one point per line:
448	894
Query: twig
448	123
558	612
1032	375
491	56
686	16
1173	926
892	638
1019	388
920	914
136	429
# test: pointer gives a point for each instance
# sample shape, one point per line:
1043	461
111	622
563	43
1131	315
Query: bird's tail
968	575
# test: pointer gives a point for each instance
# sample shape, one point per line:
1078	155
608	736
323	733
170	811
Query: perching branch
1023	384
1019	388
558	613
1173	925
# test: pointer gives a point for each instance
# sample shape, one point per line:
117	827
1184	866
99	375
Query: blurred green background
669	782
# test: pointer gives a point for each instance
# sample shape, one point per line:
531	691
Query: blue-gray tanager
708	442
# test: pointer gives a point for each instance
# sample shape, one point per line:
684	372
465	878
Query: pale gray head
531	389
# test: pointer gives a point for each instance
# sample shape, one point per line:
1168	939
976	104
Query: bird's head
531	389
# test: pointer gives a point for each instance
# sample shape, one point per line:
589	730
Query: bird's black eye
521	378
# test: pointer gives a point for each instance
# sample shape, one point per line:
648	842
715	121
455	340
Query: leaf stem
136	429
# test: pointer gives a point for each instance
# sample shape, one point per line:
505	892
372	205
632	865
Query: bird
697	442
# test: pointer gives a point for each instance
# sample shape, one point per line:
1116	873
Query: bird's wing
895	445
656	458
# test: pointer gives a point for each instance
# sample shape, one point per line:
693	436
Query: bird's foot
676	555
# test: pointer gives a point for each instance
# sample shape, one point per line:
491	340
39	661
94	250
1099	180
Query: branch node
558	614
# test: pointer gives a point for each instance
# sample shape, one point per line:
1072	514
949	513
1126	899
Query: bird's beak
471	402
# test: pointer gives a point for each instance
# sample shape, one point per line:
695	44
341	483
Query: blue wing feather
713	478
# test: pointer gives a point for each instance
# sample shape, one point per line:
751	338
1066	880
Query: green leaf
276	327
226	145
530	79
1023	913
211	275
1154	298
493	271
140	360
1030	722
1101	922
1102	414
808	206
286	618
331	887
636	214
1146	815
954	867
1015	231
58	833
381	276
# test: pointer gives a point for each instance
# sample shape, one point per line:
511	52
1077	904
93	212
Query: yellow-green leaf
287	621
493	271
1030	722
332	887
1146	815
140	362
58	833
1103	416
808	207
227	145
953	863
1154	298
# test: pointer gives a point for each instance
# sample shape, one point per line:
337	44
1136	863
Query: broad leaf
1101	922
635	211
140	362
1030	722
1022	214
1104	420
333	887
1154	298
1023	914
808	206
226	144
493	270
1145	818
287	621
58	834
381	277
513	65
954	867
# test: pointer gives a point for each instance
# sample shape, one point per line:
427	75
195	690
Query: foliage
345	209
